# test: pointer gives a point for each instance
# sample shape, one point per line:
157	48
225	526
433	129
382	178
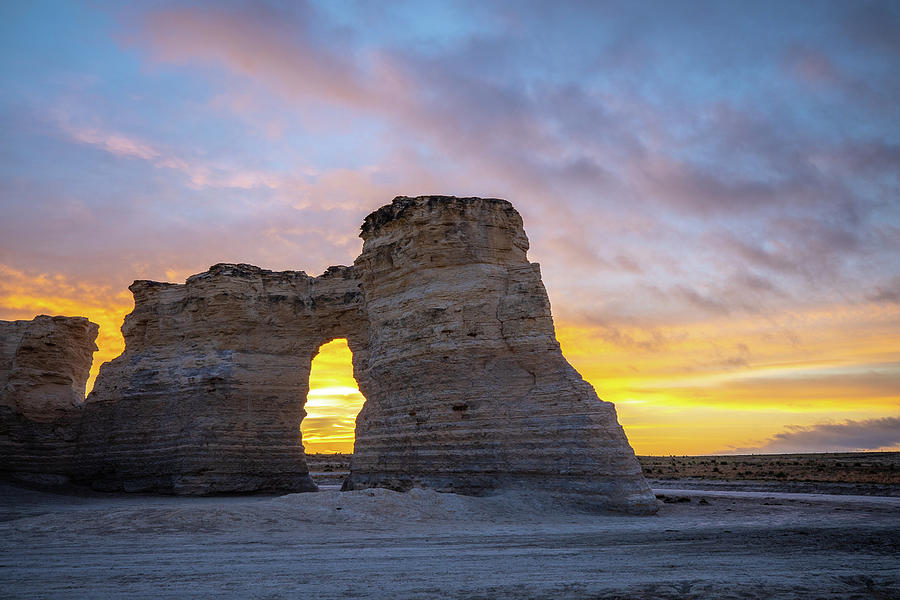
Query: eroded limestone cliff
208	395
453	346
467	389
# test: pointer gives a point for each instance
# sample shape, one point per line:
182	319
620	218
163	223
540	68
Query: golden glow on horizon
720	385
701	388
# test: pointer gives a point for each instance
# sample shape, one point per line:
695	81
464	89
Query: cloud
113	143
811	252
888	293
704	302
875	25
23	295
621	336
199	175
813	66
580	151
772	258
538	138
439	97
847	436
267	42
741	292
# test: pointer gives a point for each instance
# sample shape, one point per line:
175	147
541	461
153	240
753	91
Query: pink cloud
260	45
469	118
200	174
114	143
579	162
812	66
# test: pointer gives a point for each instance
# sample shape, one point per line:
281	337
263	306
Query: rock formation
466	387
453	347
208	395
44	366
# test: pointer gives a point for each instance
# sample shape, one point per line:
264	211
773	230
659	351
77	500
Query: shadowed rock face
453	347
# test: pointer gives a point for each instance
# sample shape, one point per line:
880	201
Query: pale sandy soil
381	544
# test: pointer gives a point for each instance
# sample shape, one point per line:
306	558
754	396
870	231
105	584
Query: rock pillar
466	387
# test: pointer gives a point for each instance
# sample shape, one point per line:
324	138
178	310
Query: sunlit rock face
466	387
453	347
208	395
44	366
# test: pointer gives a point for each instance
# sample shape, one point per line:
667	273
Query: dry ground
709	543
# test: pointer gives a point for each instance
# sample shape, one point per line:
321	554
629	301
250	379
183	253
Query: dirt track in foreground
385	545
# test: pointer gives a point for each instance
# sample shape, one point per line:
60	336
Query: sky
712	188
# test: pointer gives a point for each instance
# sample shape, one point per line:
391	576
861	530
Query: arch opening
332	405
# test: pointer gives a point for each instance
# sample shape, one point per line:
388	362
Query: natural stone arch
453	348
213	379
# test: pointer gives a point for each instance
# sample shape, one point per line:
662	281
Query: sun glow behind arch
333	401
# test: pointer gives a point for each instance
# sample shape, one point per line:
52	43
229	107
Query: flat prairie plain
848	467
738	538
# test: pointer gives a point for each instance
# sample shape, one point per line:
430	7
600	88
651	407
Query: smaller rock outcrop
44	367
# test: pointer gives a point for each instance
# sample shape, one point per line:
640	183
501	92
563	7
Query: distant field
326	463
329	470
850	467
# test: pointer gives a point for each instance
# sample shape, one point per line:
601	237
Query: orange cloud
26	295
725	383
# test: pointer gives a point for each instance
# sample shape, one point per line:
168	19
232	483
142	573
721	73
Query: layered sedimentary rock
453	346
467	389
208	395
44	366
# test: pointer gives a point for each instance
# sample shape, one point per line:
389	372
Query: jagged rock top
58	319
402	206
243	270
